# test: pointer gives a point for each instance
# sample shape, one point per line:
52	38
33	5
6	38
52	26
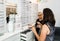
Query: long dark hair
48	16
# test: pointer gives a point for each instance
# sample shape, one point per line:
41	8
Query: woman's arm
43	34
34	31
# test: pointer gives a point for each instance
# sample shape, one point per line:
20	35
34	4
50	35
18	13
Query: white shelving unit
27	12
2	17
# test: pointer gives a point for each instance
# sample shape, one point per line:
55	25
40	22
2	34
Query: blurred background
15	15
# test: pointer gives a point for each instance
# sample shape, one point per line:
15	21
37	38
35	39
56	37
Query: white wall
54	5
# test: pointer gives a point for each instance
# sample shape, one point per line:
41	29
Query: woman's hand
39	25
32	27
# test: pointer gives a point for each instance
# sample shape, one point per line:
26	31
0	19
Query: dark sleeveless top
50	37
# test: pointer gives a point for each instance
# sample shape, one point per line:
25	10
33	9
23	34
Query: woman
47	29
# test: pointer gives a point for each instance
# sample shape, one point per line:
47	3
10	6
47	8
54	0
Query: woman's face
40	16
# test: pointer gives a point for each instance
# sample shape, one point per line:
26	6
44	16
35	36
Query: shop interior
15	15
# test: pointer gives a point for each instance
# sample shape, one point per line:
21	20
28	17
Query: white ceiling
11	1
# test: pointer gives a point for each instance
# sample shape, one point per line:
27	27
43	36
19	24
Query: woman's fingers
30	26
38	22
33	29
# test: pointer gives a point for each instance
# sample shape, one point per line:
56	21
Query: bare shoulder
45	27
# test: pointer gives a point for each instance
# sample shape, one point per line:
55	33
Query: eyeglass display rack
2	17
28	12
